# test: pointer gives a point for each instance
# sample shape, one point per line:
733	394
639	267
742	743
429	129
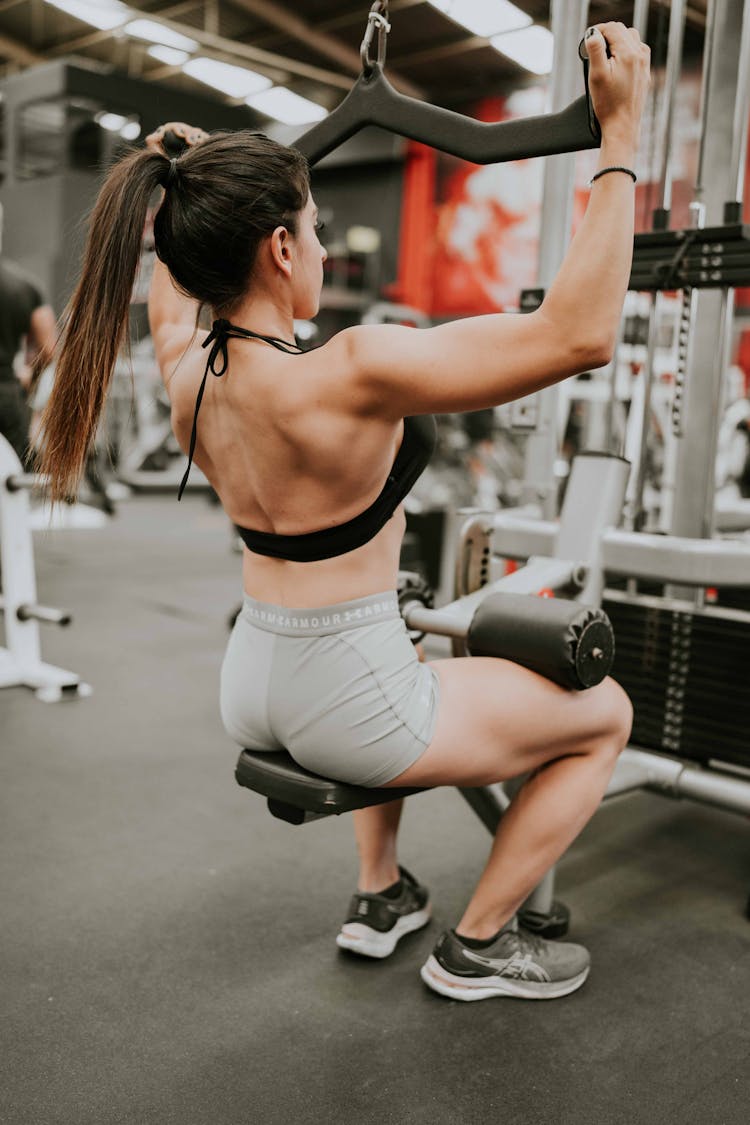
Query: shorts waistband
323	619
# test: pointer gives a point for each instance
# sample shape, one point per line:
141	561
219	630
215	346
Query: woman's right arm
484	361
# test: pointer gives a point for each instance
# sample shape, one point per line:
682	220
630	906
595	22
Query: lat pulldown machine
574	557
566	640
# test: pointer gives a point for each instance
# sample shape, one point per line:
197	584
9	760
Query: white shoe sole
359	938
482	988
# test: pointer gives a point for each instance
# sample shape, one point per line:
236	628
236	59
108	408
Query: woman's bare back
282	443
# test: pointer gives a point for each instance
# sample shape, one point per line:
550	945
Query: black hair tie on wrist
615	168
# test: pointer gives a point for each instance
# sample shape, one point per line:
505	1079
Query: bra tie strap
217	341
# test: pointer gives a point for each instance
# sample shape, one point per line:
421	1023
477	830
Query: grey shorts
340	687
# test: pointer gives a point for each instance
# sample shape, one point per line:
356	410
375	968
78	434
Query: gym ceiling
309	46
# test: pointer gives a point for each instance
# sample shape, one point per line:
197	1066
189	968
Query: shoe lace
528	942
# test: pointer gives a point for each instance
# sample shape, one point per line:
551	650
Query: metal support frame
589	543
740	121
638	769
661	218
520	537
598	482
655	558
453	620
681	561
694	469
640	17
21	661
593	504
568	22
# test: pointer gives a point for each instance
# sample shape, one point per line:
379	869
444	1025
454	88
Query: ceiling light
484	17
168	55
131	131
113	122
154	32
103	14
236	81
532	48
287	106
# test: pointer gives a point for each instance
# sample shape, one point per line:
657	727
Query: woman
298	447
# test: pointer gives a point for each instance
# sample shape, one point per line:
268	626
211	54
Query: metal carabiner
377	18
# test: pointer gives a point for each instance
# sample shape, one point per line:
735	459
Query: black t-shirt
19	297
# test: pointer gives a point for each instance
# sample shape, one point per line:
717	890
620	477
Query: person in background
27	323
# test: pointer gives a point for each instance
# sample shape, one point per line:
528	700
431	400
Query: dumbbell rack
21	661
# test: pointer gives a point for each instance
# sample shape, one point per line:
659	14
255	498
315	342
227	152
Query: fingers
614	40
153	141
595	45
620	40
619	73
190	134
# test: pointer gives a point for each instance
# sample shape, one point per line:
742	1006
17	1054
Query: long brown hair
223	197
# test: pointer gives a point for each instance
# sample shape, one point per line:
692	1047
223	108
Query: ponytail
96	318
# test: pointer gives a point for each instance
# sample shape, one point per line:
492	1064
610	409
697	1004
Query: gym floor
168	947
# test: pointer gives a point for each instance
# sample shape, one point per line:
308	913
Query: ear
281	250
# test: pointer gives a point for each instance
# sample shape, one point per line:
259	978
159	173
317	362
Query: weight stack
688	676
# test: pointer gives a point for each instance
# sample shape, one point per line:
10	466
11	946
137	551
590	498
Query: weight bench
297	796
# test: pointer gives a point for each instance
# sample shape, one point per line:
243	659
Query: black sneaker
375	923
518	963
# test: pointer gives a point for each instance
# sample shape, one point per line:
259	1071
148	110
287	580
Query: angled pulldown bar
373	101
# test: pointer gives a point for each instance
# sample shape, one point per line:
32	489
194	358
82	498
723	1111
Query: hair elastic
172	173
615	168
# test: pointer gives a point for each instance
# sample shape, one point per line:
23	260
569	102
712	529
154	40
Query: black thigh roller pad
569	643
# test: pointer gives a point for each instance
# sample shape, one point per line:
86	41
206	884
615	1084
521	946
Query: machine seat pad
277	776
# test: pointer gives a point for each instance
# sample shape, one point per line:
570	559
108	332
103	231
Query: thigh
497	720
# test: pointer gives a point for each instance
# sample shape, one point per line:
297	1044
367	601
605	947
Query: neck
262	314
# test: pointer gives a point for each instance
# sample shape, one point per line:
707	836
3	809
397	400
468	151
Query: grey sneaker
517	963
375	923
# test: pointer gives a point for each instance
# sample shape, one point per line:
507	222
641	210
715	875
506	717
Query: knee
610	719
617	716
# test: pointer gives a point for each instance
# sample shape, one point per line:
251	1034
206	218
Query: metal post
640	23
661	219
677	14
739	125
568	23
725	128
708	59
689	295
640	17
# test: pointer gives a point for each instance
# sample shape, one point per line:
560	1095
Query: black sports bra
417	446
